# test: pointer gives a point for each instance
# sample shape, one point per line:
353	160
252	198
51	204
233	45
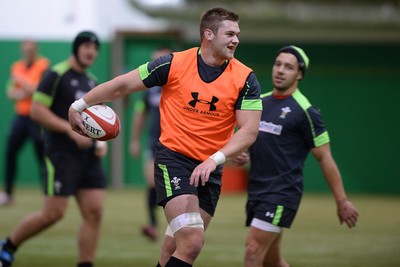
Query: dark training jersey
288	129
59	88
150	104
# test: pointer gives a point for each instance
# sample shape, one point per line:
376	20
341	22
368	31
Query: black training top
288	129
59	88
150	104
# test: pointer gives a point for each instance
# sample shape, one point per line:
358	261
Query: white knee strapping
169	232
192	219
265	226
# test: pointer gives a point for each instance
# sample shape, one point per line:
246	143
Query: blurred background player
25	76
148	107
290	127
73	164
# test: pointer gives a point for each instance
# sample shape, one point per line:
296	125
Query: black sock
9	246
85	264
175	262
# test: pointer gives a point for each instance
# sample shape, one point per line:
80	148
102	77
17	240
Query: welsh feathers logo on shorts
175	181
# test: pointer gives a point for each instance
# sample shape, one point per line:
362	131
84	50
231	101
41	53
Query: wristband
79	105
100	144
218	157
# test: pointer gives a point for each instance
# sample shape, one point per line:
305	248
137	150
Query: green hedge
356	86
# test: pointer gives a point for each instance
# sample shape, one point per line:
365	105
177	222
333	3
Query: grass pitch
315	240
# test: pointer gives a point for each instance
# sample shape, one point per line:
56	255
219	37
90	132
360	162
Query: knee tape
192	219
169	232
265	226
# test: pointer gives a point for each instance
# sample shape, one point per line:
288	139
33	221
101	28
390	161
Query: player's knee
168	246
194	250
94	214
191	228
50	218
193	243
255	251
252	248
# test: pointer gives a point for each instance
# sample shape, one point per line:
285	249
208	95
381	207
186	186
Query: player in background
73	162
289	129
206	93
25	76
147	112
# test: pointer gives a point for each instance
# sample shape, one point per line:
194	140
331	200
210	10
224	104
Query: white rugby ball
101	122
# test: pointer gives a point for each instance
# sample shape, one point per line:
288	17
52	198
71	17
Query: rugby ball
101	122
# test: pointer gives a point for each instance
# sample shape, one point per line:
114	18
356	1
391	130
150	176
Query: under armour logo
269	214
196	100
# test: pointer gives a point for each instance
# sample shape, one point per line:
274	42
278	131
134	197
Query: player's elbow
35	112
252	136
249	138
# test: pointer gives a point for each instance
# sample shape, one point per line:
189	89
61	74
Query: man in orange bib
25	76
205	93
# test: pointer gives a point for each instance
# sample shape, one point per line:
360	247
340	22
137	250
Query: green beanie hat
300	55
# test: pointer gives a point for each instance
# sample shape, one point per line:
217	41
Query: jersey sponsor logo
285	111
269	127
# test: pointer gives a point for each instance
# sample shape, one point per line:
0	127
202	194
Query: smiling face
285	73
225	40
219	32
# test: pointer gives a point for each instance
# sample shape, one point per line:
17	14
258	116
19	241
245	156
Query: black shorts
172	172
67	172
275	214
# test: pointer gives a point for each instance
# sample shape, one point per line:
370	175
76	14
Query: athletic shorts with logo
172	172
67	172
275	214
